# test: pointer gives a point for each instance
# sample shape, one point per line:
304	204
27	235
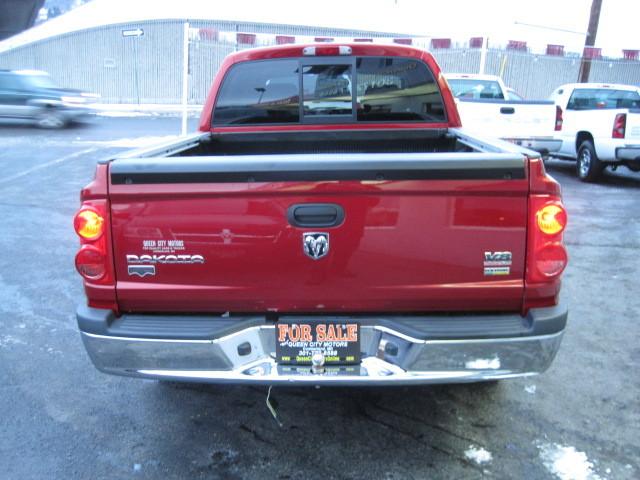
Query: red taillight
546	254
88	224
93	258
91	263
551	260
619	126
558	126
547	257
551	219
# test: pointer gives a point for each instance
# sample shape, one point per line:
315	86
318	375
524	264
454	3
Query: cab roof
613	86
356	48
471	76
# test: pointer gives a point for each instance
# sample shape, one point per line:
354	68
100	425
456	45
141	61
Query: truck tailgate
507	118
420	232
633	126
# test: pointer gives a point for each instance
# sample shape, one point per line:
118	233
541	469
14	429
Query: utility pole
590	39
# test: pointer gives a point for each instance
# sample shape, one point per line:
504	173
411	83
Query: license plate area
338	342
330	371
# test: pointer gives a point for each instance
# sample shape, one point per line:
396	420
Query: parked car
33	96
329	224
599	126
488	108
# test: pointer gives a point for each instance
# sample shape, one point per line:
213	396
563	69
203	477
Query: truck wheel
588	166
50	119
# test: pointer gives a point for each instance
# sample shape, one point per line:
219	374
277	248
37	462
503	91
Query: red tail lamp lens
90	263
559	122
88	224
619	126
551	259
551	219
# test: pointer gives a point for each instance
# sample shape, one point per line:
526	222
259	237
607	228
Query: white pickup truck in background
487	107
599	125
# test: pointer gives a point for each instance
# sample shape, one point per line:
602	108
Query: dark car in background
33	96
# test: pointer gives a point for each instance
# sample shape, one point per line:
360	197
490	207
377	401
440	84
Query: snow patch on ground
530	389
133	113
484	363
566	463
141	141
6	340
136	142
125	114
143	110
478	455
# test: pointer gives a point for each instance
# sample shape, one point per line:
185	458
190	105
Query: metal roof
336	14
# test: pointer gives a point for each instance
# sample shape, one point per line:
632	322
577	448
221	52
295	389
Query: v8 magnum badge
497	263
315	244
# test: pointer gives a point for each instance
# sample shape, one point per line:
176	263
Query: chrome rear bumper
630	153
411	361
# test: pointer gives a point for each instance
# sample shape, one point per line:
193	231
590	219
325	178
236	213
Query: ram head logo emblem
315	244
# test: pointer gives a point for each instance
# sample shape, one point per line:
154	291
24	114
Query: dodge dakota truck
330	223
487	109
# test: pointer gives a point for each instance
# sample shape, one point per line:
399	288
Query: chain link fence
536	76
146	66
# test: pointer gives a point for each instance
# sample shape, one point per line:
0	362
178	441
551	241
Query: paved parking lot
60	418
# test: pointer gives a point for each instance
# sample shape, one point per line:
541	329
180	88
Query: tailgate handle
508	110
315	215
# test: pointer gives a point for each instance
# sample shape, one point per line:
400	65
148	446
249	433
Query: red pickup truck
330	223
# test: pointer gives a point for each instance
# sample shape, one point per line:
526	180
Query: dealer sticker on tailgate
296	343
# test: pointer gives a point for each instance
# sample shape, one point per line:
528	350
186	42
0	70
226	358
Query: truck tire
588	166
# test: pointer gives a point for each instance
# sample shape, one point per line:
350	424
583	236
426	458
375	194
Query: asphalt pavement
62	419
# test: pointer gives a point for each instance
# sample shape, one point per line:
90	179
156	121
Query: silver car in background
31	95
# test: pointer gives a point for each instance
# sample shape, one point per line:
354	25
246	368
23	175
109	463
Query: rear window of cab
329	90
475	89
602	98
